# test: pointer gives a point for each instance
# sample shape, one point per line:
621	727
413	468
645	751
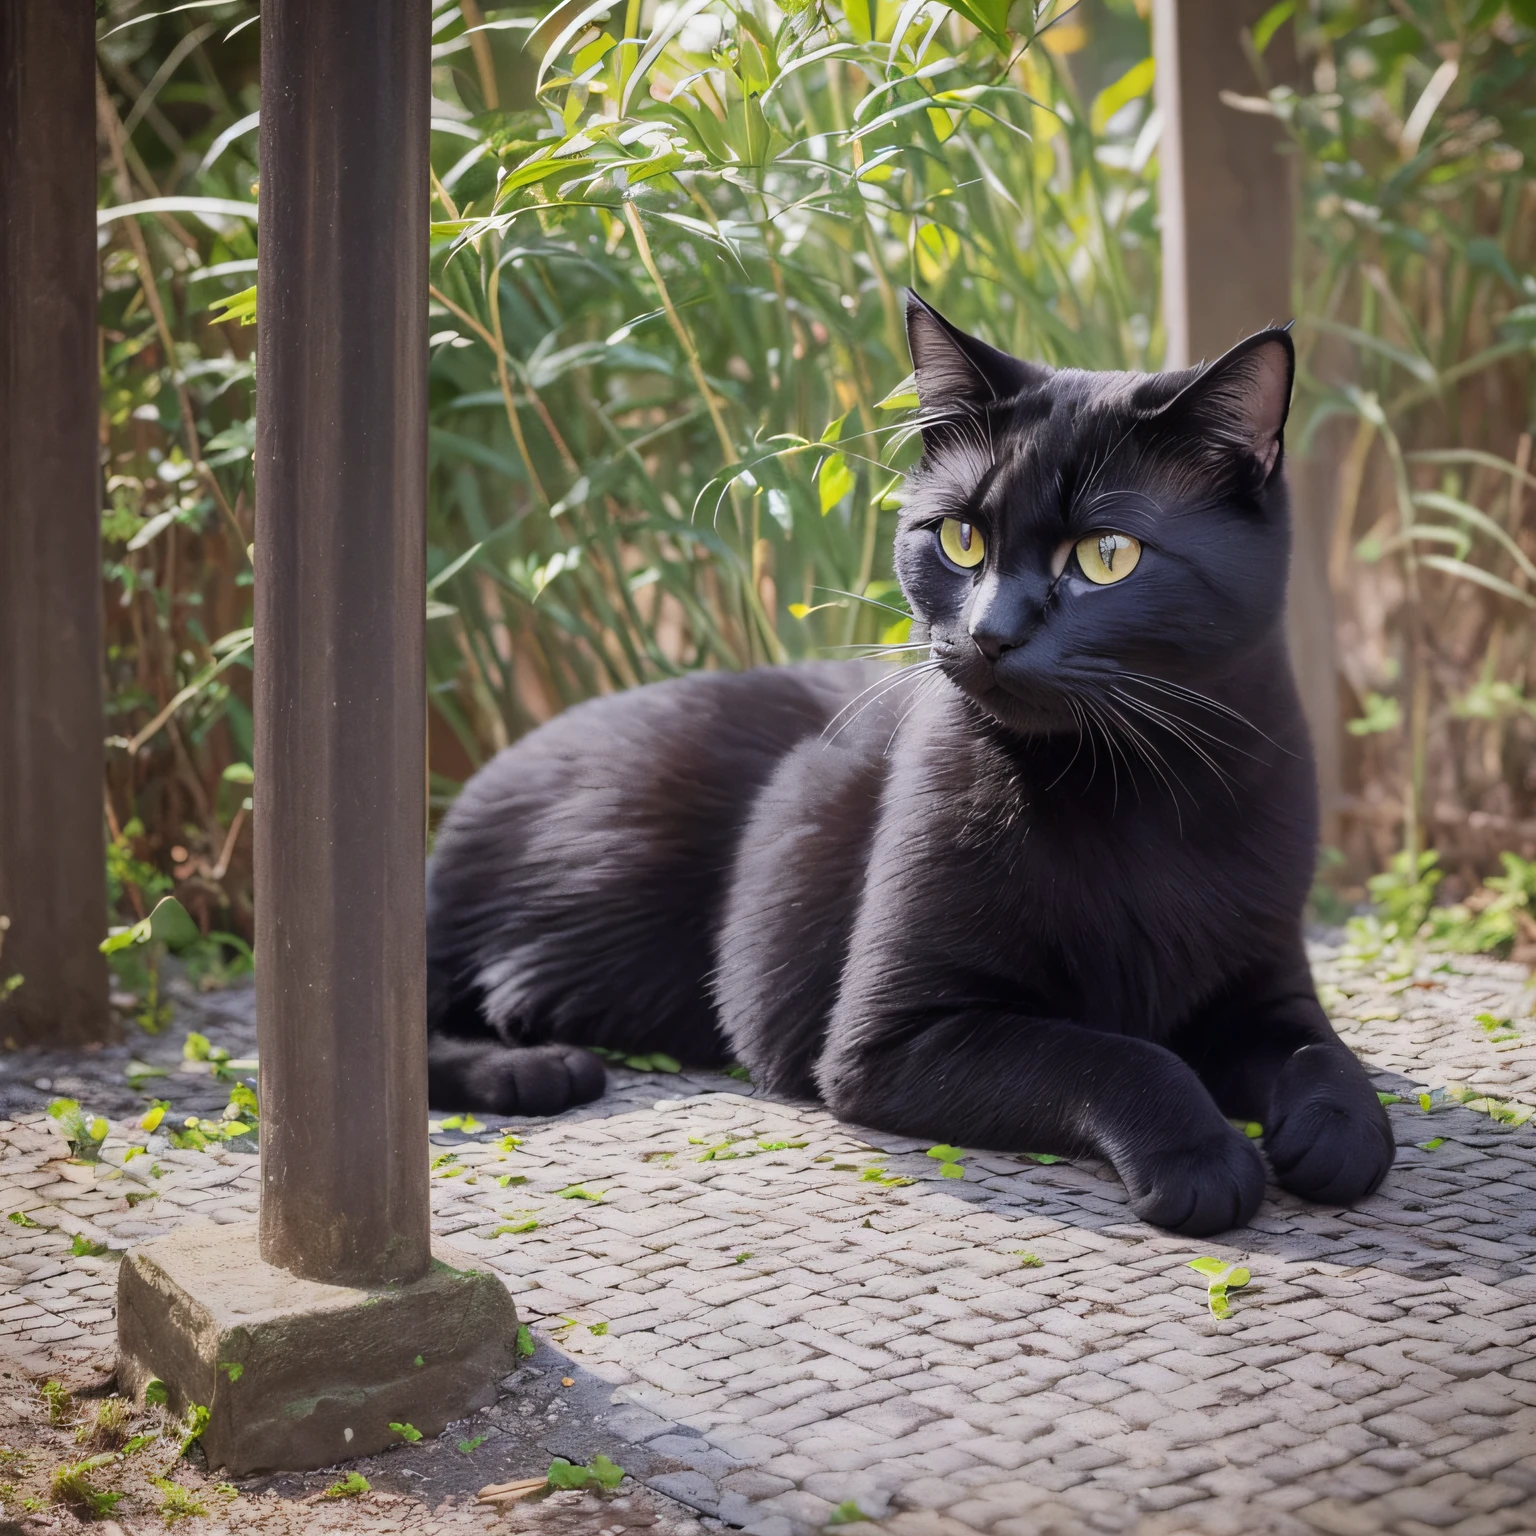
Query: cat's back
575	885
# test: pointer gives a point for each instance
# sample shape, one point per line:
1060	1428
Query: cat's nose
990	640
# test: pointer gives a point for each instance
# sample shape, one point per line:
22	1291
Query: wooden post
1228	198
341	478
342	1313
52	858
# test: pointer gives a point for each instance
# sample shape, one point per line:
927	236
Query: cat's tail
499	1079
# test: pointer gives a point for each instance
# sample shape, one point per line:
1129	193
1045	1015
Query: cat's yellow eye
962	543
1108	557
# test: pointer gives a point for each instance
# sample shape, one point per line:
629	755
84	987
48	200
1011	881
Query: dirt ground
140	1482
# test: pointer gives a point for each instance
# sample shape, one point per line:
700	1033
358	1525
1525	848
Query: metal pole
340	613
52	859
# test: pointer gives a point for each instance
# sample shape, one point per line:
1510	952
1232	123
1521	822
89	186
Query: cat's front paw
1329	1139
1210	1185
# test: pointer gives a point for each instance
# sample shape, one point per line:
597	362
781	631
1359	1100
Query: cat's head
1068	532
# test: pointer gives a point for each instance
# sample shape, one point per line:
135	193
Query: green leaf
1270	22
951	1171
605	1472
407	1432
902	398
156	1394
563	1474
1135	82
741	1258
21	1219
83	1248
238	306
736	1070
233	1369
945	1154
1027	1260
196	1047
419	1361
196	1422
1381	714
239	773
353	1484
846	1513
469	1447
580	1192
834	480
1253	1130
1209	1266
1432	1143
525	1344
512	1228
171	924
1388	1098
1045	1158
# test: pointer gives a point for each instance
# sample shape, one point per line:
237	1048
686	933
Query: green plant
1416	295
667	276
1494	917
71	1485
600	1474
177	1502
61	1404
349	1487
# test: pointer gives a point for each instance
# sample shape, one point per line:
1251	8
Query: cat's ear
955	370
1239	403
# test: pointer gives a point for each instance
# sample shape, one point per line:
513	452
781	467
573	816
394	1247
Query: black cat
1040	893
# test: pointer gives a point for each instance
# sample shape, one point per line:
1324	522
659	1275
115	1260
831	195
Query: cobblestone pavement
776	1319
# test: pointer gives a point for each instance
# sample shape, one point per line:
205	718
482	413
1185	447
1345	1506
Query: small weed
512	1228
579	1192
1028	1260
469	1447
1220	1278
83	1248
601	1473
21	1219
60	1404
525	1344
233	1369
177	1502
192	1429
71	1486
349	1487
741	1258
407	1432
846	1513
108	1431
156	1394
948	1159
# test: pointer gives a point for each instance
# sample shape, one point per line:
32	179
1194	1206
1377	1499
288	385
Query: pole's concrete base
297	1374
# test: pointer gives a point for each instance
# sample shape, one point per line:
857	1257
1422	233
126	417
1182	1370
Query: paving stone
783	1334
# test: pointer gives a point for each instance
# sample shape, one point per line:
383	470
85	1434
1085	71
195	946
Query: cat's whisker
1178	723
917	695
1194	696
902	675
1159	765
1077	751
1109	745
1183	737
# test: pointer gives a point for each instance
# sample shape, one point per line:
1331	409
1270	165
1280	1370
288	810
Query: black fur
1042	894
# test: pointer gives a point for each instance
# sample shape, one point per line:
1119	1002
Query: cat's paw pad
1209	1186
1329	1140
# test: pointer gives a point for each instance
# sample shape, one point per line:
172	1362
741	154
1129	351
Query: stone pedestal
298	1374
